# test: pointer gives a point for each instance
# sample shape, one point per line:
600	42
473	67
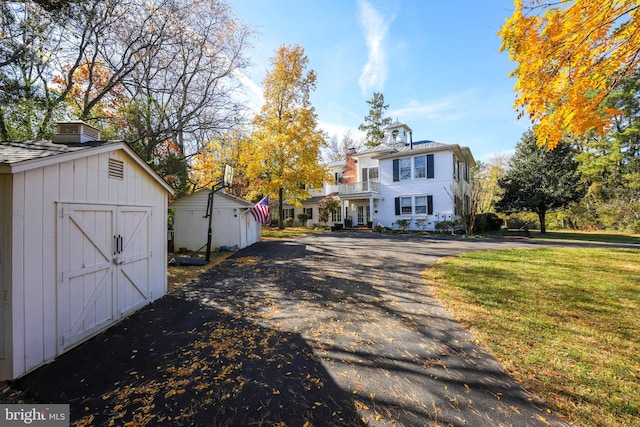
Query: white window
421	204
336	216
369	174
405	206
420	167
405	168
373	174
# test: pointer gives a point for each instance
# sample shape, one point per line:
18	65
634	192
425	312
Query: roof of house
185	199
399	147
390	151
18	156
317	199
337	164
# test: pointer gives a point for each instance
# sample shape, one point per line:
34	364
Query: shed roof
185	199
12	152
18	156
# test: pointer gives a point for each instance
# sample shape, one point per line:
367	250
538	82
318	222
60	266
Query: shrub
302	218
445	226
487	222
379	228
421	224
403	224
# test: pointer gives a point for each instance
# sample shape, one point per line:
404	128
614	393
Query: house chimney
351	170
75	132
411	139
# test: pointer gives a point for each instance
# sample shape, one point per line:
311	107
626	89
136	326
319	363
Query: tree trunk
541	217
280	213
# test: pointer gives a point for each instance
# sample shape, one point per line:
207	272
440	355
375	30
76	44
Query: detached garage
83	242
232	224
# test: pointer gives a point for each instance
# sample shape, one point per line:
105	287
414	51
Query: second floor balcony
359	187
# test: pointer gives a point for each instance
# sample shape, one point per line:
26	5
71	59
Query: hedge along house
83	242
232	225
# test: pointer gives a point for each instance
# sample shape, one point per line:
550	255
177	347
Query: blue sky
436	63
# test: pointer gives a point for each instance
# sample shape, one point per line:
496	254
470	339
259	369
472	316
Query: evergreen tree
610	165
539	180
375	122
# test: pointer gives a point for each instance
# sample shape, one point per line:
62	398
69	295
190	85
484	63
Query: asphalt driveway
331	329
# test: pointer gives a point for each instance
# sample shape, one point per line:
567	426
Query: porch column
342	212
370	209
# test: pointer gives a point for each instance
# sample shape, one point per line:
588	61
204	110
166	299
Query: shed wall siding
229	226
36	193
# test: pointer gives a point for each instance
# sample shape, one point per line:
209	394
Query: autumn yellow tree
208	164
283	156
570	56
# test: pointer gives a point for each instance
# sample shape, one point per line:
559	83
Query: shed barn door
134	258
104	261
86	271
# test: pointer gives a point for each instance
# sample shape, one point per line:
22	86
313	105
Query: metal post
208	254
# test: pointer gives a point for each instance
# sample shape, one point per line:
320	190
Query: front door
364	214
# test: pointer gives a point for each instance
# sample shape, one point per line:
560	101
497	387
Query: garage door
103	263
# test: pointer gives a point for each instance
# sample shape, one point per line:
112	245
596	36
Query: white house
310	206
232	224
399	183
83	242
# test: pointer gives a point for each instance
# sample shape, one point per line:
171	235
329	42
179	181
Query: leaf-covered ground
335	329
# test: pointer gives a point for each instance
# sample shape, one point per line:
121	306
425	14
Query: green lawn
564	321
591	236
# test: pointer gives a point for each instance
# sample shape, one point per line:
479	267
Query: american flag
260	211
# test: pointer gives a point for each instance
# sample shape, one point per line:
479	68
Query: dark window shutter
430	205
430	171
396	171
397	205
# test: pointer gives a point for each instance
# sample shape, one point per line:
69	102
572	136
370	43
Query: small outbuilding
232	224
82	242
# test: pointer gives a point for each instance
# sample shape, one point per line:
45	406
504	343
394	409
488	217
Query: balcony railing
360	187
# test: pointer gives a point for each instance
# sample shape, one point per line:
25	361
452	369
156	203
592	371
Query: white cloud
375	26
252	91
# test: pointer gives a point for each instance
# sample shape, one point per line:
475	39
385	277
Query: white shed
232	224
83	244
